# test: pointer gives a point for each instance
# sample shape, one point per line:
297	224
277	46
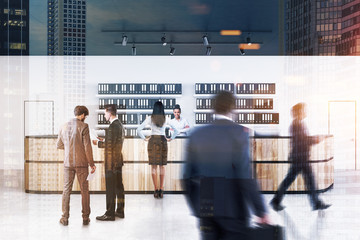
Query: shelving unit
135	101
205	92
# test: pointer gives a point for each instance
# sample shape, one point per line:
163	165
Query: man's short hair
111	108
224	102
79	110
298	109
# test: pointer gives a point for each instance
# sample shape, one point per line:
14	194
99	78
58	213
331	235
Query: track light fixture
124	40
242	51
172	50
208	51
205	40
163	40
133	50
248	40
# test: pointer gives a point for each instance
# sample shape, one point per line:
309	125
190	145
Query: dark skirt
157	150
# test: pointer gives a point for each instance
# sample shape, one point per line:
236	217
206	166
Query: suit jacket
300	142
74	138
114	138
217	173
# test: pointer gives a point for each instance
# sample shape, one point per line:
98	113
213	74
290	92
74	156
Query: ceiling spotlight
124	40
163	40
208	51
205	40
242	51
133	50
248	40
172	51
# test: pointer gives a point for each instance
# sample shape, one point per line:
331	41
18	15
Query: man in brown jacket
74	138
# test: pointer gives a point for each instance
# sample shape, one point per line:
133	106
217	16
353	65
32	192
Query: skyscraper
14	27
67	37
350	29
322	27
66	27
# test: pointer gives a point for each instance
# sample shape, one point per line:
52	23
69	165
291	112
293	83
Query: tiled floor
36	216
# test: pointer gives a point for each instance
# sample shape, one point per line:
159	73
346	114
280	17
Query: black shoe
105	218
276	206
64	221
321	206
156	193
161	193
120	214
86	221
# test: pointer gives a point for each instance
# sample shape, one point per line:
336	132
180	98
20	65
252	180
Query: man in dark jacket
114	138
300	154
217	176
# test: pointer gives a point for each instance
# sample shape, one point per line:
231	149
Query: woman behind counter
181	123
157	146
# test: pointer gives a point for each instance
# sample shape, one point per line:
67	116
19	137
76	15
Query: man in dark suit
300	155
217	176
114	138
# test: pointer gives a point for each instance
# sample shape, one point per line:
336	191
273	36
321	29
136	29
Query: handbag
266	232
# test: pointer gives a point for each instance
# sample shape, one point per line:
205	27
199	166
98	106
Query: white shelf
204	111
125	125
133	110
237	110
237	95
138	95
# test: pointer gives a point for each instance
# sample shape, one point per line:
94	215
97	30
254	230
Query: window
20	12
17	46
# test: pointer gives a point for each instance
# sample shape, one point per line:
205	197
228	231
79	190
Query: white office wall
73	80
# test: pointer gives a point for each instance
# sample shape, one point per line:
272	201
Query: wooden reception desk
44	165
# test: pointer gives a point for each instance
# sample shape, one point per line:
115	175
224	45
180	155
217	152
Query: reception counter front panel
44	165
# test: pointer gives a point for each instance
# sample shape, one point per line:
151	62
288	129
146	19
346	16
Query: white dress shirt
180	125
155	130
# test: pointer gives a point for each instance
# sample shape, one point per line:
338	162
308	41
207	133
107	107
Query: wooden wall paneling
26	175
137	176
283	149
253	148
173	177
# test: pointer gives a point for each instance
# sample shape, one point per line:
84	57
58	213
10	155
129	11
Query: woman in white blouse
179	122
157	146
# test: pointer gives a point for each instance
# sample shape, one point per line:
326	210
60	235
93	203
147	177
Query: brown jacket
74	138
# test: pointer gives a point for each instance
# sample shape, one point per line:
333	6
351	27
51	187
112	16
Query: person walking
300	154
217	176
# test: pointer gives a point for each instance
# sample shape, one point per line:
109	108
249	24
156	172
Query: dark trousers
295	169
223	228
114	191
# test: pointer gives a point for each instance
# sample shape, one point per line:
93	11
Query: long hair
158	114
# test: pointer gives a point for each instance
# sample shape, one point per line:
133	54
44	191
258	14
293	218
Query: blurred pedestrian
299	156
217	176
